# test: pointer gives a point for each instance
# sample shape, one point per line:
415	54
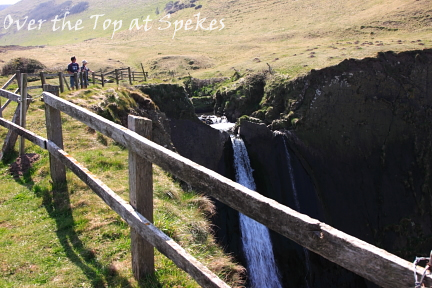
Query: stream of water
257	246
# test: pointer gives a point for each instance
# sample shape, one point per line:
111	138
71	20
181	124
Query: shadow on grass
58	206
9	157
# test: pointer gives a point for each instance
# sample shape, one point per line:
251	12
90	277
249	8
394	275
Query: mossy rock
203	104
242	97
246	118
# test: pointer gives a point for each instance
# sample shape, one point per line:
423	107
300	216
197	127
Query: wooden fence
122	74
19	116
95	78
368	261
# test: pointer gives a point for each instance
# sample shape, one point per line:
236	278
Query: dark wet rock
362	133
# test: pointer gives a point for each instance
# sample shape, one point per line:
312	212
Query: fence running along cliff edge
364	259
93	77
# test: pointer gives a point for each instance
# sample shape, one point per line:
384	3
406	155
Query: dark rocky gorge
361	135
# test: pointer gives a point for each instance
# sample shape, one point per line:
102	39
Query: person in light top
85	70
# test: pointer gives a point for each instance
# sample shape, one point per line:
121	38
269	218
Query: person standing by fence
73	68
85	70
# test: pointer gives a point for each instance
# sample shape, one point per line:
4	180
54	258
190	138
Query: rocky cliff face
241	97
362	133
172	100
359	136
202	144
273	161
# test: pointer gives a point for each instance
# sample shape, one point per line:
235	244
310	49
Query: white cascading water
297	204
257	246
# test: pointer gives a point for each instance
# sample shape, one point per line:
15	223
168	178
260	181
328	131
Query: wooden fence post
61	83
51	89
11	137
55	134
130	76
23	109
144	74
117	76
93	78
81	80
141	198
102	79
42	76
18	78
76	80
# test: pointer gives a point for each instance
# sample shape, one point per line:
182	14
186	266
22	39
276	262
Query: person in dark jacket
71	69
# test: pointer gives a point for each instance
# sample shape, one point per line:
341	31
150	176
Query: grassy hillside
291	36
76	242
55	237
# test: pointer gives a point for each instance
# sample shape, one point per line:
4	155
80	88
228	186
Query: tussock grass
67	237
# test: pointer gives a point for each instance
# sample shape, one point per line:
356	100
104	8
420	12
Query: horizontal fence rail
19	116
10	95
366	260
32	137
115	75
147	230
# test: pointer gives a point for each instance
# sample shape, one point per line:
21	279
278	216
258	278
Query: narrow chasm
349	145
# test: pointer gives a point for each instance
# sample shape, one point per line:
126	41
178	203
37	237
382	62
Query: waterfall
257	246
297	204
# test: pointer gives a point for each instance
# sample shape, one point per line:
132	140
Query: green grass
55	238
68	237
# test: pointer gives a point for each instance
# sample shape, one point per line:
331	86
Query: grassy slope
50	238
281	33
86	246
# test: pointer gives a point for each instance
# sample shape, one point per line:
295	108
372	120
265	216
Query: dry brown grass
279	33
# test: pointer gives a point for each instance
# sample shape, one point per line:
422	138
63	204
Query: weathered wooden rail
19	116
96	78
141	226
139	223
122	73
366	260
